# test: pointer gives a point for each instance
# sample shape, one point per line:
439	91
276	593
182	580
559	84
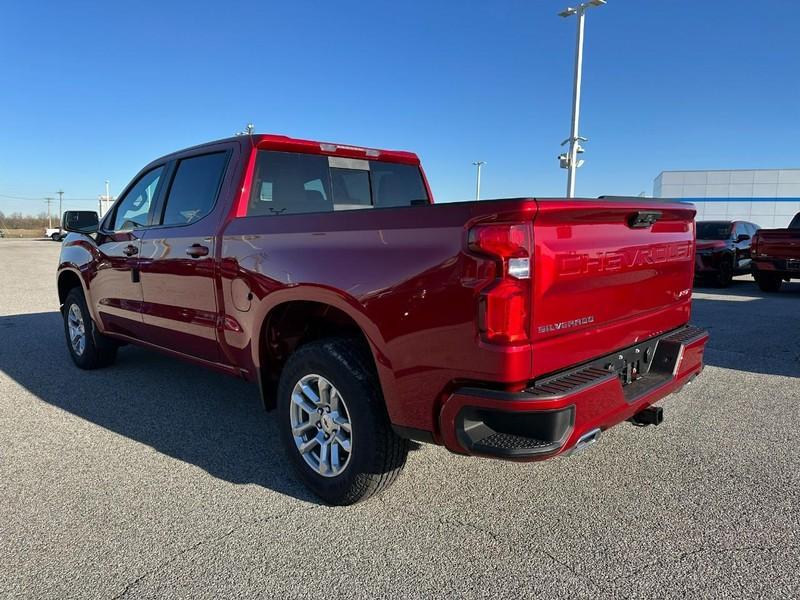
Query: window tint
713	230
316	185
132	211
287	182
351	189
194	188
395	184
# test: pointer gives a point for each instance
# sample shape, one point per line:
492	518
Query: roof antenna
248	131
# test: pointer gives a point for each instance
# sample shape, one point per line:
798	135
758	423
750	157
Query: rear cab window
293	183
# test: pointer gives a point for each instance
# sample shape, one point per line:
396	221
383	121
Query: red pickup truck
776	256
369	316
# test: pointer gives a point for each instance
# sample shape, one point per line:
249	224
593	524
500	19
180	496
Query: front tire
88	348
724	275
55	237
333	423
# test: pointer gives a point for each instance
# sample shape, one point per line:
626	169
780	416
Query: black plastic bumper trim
514	434
417	435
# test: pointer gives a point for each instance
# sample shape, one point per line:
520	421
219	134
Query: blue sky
90	91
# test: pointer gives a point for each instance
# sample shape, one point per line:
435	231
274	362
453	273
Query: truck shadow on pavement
751	330
184	411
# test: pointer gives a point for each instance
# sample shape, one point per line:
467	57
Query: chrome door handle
130	250
196	251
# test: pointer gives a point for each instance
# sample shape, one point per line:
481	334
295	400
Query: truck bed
598	285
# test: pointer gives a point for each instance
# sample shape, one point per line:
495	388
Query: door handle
130	250
196	251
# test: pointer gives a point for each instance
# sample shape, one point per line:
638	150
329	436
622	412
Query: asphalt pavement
156	478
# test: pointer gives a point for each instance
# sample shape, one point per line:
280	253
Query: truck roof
283	143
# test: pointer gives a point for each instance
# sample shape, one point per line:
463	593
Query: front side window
287	183
194	188
133	209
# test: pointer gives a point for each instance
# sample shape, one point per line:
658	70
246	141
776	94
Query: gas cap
241	294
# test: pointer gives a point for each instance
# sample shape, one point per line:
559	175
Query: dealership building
766	197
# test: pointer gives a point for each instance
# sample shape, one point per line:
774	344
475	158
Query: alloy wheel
321	425
77	329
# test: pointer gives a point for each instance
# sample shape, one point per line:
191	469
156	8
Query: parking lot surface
156	478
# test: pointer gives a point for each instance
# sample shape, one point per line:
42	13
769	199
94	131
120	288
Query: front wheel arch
68	280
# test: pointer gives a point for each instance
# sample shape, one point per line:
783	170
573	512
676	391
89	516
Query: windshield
713	230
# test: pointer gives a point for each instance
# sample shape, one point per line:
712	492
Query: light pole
478	164
569	160
49	201
60	213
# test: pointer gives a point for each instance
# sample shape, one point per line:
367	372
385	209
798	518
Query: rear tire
55	237
327	387
88	348
768	282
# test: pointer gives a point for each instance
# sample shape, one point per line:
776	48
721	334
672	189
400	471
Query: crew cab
723	250
370	316
776	256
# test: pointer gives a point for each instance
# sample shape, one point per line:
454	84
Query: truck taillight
504	306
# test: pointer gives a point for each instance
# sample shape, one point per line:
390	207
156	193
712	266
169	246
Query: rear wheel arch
295	323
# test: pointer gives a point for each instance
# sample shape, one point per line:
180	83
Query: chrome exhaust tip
586	440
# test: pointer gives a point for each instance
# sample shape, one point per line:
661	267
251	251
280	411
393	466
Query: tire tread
99	351
391	450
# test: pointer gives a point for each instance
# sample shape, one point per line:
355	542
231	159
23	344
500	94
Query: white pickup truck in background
54	233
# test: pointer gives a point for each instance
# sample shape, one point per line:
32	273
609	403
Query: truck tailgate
604	279
779	243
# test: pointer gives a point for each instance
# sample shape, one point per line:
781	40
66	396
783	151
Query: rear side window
194	188
133	209
290	183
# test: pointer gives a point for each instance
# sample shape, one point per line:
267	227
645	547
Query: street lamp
478	164
60	193
569	160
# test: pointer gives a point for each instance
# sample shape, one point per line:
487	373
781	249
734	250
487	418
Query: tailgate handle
643	218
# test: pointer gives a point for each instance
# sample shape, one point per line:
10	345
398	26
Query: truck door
741	247
116	288
178	264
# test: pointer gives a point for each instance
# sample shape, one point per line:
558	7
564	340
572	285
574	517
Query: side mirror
80	221
743	237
